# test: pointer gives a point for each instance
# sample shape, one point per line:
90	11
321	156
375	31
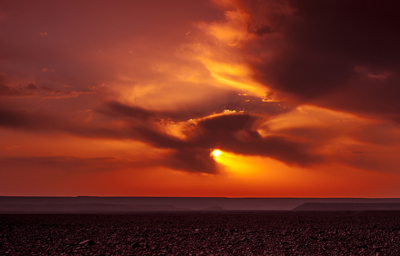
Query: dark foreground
240	233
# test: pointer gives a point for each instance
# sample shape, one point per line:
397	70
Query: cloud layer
336	54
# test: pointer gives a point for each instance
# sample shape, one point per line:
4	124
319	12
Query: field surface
228	233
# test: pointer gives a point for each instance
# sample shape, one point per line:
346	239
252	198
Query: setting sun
216	153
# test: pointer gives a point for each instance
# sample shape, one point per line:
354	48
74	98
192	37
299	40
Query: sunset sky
131	98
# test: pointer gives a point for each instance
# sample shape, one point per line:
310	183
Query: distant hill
334	207
214	208
85	208
95	204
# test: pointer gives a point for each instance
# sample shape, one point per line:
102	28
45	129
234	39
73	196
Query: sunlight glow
216	153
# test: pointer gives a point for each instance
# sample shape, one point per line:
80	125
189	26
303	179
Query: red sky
130	98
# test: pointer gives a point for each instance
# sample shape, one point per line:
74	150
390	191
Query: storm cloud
337	54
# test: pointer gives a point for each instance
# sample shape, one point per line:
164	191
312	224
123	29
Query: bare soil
229	233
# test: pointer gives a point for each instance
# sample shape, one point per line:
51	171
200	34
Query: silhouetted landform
85	208
214	208
337	207
89	204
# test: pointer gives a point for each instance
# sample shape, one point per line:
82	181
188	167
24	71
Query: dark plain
191	233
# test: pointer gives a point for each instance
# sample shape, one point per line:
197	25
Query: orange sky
130	98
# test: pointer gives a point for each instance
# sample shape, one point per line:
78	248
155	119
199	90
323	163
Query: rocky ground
257	233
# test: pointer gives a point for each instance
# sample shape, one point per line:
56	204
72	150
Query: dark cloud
15	118
45	88
158	139
367	96
32	90
233	132
33	121
132	111
337	54
227	123
365	33
31	86
8	91
193	160
237	133
64	163
231	100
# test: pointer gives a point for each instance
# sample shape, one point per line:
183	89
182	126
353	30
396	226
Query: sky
203	98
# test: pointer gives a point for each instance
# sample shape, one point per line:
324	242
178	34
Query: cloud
13	118
62	94
45	92
9	91
25	120
225	101
15	87
193	160
133	111
233	132
337	54
238	133
31	86
66	163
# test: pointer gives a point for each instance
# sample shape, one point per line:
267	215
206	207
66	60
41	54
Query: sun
216	153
